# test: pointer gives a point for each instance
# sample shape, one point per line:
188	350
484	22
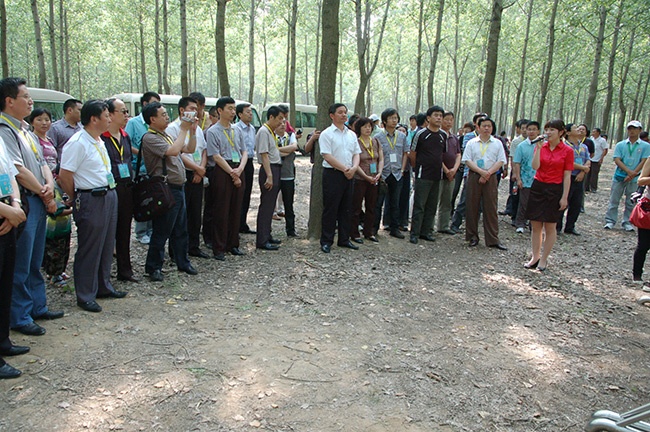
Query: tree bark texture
546	72
522	69
220	46
51	31
292	67
251	53
593	85
434	52
42	74
185	79
492	57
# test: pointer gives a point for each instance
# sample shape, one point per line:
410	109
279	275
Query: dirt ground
393	337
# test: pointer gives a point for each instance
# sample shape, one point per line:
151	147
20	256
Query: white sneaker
145	239
520	230
628	227
645	288
609	226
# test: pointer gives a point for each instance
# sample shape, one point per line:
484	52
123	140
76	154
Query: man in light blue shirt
247	132
523	173
629	157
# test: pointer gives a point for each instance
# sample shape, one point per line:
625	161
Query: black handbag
152	196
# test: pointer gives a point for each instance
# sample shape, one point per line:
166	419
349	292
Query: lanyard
120	149
576	150
230	138
275	137
392	145
203	121
101	154
369	148
484	149
630	148
25	136
167	137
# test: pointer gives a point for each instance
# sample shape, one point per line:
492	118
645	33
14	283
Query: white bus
51	99
305	118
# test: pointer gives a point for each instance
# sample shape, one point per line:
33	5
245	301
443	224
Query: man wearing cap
629	157
375	125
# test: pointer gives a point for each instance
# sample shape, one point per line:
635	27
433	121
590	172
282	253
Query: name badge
373	168
393	158
5	185
111	180
234	156
197	157
480	163
124	170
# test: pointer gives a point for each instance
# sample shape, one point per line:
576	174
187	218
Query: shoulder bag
152	196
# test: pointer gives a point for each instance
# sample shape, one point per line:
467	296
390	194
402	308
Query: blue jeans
618	189
173	226
28	296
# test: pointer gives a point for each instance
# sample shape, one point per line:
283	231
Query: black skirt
544	202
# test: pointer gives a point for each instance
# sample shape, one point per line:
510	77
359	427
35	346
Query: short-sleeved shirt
490	152
453	150
288	171
429	147
524	157
341	144
553	163
631	155
60	132
49	152
515	143
22	146
368	156
119	151
8	168
87	159
393	147
174	129
224	142
247	131
466	138
590	145
154	146
600	145
265	142
580	156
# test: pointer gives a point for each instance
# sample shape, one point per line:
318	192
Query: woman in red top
553	160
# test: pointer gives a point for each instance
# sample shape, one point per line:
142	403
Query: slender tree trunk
143	63
434	52
317	49
522	69
4	56
42	74
593	85
326	93
292	70
610	69
81	93
561	109
185	80
68	63
418	66
306	71
251	53
266	71
546	72
501	100
287	63
165	71
398	64
621	90
492	56
157	46
62	63
220	46
51	31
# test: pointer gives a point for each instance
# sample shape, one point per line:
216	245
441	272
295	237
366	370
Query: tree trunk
593	86
610	70
287	63
62	47
165	71
143	63
220	46
621	90
185	80
561	109
546	72
418	66
434	52
4	56
157	46
317	49
326	92
492	56
292	69
306	70
42	74
55	67
397	72
266	72
68	63
251	53
522	69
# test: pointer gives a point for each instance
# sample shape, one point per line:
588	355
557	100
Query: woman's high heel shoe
531	266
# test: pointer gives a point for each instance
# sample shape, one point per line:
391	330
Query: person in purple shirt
63	129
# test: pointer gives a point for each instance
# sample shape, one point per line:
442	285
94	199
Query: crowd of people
377	172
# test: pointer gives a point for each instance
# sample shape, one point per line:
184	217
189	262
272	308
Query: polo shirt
600	145
553	163
267	142
524	157
490	152
466	138
580	156
224	142
154	146
341	144
87	159
631	155
136	128
429	147
515	143
61	131
6	168
174	129
22	146
120	154
288	171
247	131
394	147
453	150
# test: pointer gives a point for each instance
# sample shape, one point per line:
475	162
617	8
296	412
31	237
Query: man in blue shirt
581	166
523	172
629	157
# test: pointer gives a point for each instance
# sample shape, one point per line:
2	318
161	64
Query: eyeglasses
124	111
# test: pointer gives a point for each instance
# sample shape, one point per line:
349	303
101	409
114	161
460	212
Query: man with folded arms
86	177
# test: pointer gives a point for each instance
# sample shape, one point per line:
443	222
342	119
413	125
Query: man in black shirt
427	149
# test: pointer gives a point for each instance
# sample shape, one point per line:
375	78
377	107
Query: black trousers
405	199
249	172
576	192
123	231
208	204
389	191
458	181
337	206
642	247
268	199
226	202
193	204
288	189
7	262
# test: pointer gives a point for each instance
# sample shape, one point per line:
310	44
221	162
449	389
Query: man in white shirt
247	132
600	151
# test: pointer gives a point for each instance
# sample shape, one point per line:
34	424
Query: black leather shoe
128	279
90	306
7	371
14	351
473	243
349	245
247	231
199	254
31	329
237	252
358	240
50	315
219	256
292	234
326	248
413	239
499	246
428	237
275	241
156	276
189	270
373	239
113	294
572	231
269	246
396	234
447	231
